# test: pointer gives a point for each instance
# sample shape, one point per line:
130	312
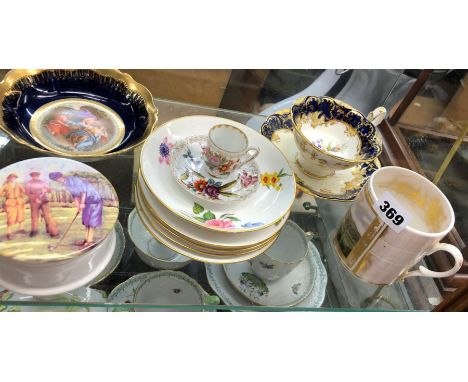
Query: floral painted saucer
126	292
221	285
265	207
289	290
78	296
344	185
190	171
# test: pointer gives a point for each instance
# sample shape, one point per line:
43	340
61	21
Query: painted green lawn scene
53	209
24	247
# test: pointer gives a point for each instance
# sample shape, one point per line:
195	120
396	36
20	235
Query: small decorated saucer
78	296
222	286
344	185
126	293
289	290
189	169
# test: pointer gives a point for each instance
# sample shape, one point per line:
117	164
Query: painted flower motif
265	179
220	223
273	179
164	151
210	219
251	224
226	167
199	185
247	179
215	160
212	191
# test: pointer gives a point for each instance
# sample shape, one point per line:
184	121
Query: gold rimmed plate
209	238
174	245
163	227
271	201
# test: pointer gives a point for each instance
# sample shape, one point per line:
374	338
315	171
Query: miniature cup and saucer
283	276
190	168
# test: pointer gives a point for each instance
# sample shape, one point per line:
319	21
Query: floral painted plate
289	290
344	185
198	234
230	296
80	295
272	200
188	167
125	293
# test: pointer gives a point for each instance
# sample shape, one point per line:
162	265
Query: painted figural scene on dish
77	126
53	207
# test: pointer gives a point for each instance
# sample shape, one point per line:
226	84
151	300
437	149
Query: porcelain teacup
289	250
330	136
227	150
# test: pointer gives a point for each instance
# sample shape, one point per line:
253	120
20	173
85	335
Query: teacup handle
424	272
251	156
377	115
211	300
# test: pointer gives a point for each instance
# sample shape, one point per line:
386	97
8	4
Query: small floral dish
266	206
165	288
222	286
290	290
331	136
74	298
343	186
191	172
149	250
76	113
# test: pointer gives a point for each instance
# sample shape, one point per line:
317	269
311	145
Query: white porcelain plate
172	242
191	173
272	199
287	291
230	296
222	240
342	186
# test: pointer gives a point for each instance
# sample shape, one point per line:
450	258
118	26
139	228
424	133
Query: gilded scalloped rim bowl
129	104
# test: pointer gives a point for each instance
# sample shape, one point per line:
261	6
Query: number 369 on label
392	212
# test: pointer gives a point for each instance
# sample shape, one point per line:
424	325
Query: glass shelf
322	217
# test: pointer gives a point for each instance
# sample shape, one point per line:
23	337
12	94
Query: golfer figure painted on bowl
55	192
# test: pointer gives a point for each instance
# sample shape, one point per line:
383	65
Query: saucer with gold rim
344	185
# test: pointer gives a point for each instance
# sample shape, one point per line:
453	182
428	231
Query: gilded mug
378	254
227	149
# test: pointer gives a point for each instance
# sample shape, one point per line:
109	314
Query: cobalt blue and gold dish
331	136
344	185
80	113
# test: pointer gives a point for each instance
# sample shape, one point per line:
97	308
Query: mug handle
424	272
251	156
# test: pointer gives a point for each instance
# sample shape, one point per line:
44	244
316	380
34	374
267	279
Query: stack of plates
228	229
